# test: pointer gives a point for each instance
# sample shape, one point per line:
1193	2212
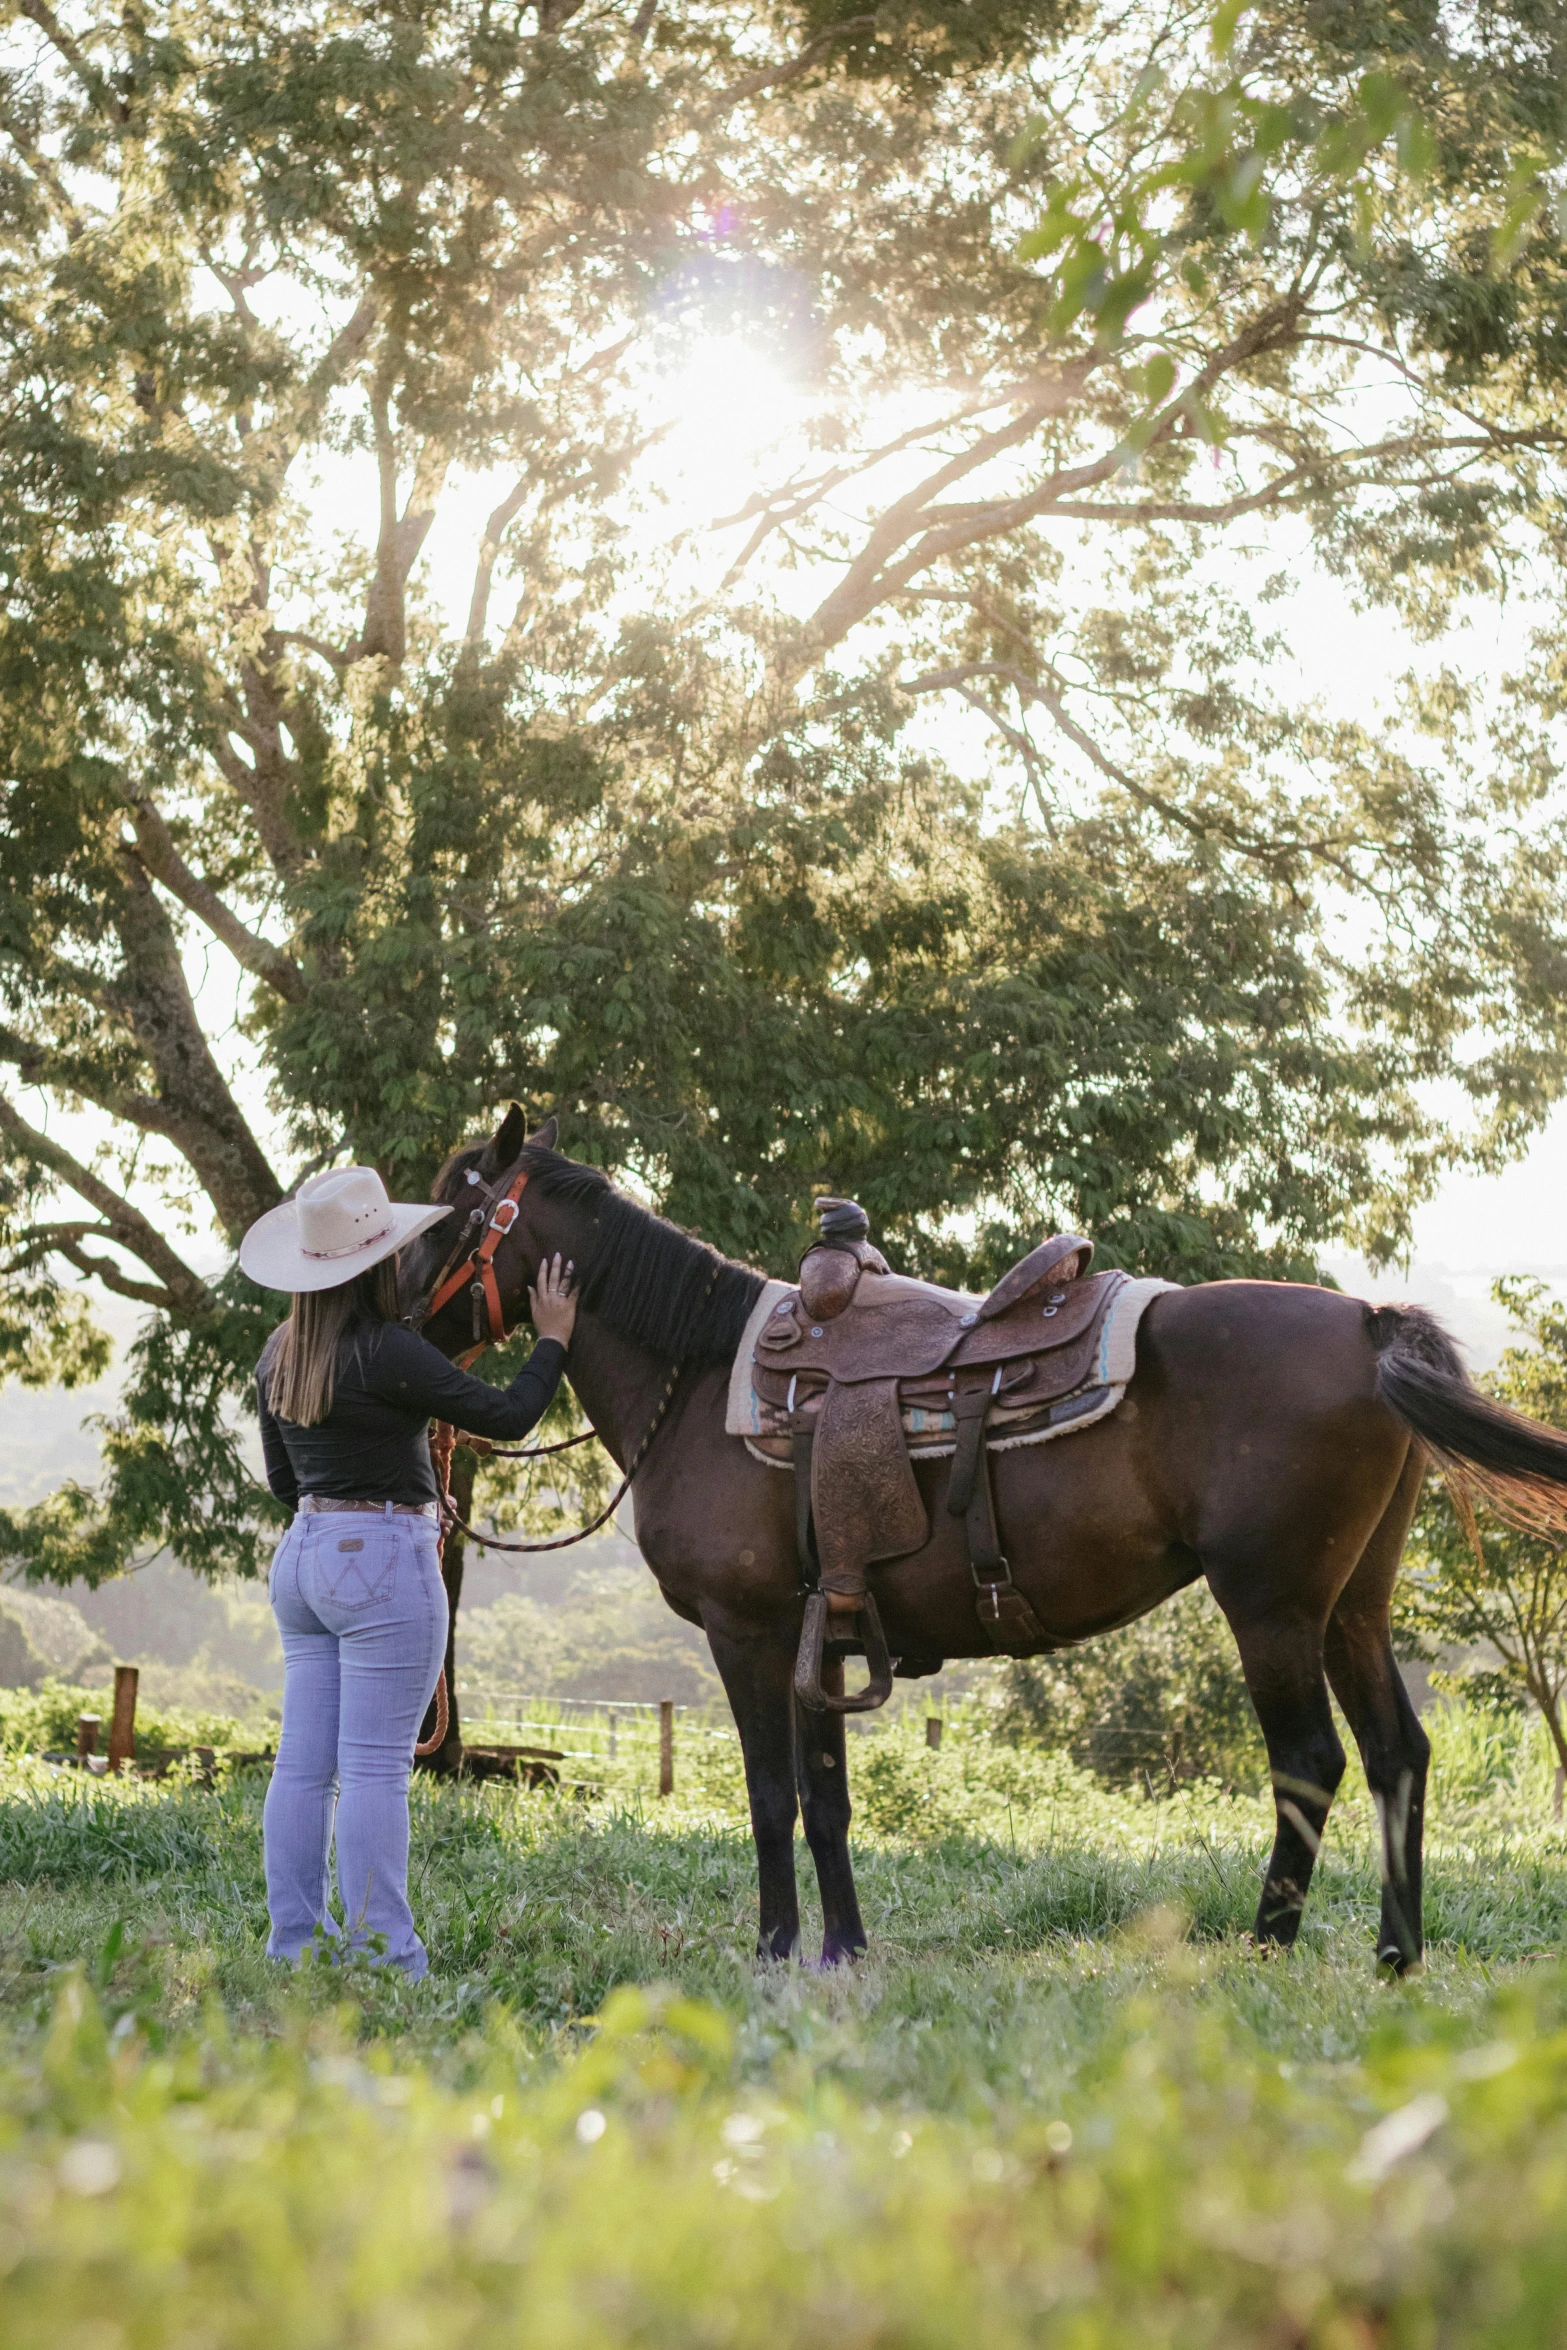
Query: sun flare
725	404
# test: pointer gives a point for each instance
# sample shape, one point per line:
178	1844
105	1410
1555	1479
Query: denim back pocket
358	1569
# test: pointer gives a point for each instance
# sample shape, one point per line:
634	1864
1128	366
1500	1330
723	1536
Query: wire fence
620	1740
622	1744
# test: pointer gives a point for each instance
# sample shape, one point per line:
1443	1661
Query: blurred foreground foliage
1189	2190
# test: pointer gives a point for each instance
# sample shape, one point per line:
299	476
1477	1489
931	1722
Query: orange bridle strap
477	1272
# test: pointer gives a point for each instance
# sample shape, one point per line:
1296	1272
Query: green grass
1064	2101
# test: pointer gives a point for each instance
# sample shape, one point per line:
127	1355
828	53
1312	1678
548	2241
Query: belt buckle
992	1585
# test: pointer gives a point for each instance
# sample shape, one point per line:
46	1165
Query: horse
1274	1438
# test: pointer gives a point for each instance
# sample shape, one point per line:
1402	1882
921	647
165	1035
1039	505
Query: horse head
484	1185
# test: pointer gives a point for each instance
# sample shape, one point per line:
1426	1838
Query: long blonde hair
301	1372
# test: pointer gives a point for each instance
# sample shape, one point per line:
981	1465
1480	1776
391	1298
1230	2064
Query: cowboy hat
335	1226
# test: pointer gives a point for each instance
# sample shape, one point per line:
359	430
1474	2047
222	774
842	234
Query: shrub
43	1720
1161	1701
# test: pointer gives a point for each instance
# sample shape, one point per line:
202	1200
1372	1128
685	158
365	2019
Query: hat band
352	1250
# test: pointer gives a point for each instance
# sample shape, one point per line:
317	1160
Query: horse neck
617	1383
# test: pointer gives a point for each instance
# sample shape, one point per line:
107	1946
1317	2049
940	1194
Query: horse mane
645	1278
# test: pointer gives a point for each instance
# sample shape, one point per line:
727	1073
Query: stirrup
808	1688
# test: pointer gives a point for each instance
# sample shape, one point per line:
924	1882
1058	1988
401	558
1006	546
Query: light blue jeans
362	1610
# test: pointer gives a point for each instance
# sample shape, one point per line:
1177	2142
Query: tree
657	828
1491	1586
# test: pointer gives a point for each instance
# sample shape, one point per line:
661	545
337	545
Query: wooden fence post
666	1746
933	1730
122	1730
87	1728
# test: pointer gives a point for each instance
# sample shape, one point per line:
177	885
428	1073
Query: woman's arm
274	1453
406	1370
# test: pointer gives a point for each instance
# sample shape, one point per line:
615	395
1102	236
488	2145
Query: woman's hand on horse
552	1302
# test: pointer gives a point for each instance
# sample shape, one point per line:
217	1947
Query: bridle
471	1260
470	1263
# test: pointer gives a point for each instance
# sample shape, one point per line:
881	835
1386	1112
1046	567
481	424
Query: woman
347	1393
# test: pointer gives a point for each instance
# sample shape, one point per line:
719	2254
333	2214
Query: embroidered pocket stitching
361	1581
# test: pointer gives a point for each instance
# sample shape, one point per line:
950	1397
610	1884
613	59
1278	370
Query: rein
446	1438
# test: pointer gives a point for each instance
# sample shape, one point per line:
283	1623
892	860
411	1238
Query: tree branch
774	77
775	510
156	849
47	177
385	632
1271	853
337	657
262	792
279	443
484	569
81	65
864	584
65	1240
129	1228
193	1105
873	576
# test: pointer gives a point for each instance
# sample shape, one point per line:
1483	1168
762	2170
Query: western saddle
858	1367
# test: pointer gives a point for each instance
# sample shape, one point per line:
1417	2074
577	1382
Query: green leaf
1225	25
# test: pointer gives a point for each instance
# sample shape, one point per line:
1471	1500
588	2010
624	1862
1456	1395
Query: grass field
1064	2102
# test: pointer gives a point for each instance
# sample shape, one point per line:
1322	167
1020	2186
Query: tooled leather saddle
860	1366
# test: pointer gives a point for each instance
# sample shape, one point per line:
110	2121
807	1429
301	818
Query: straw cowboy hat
333	1227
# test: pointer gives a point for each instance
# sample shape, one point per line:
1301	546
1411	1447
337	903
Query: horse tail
1514	1466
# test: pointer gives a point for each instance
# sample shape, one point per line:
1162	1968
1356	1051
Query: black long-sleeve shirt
374	1444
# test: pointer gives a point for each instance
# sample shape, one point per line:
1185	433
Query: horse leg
1282	1657
1393	1747
822	1769
757	1670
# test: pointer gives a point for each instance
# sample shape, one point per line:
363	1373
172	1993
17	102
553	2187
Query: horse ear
508	1140
548	1134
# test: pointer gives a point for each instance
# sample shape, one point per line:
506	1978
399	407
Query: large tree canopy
933	825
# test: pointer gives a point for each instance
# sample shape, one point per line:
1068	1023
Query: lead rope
441	1442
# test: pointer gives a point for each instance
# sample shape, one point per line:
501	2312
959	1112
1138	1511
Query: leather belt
313	1505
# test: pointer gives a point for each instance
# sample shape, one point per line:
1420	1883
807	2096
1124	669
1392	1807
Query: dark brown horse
1273	1439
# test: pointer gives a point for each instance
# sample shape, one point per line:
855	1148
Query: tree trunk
447	1758
1558	1736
